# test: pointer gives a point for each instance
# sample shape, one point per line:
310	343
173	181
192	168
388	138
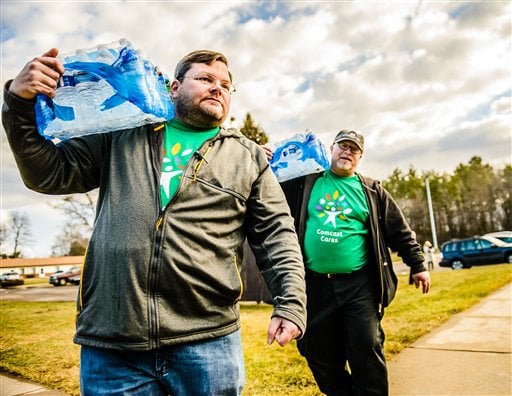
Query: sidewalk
471	354
12	386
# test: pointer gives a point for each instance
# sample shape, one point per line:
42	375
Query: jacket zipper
80	289
157	244
153	278
153	340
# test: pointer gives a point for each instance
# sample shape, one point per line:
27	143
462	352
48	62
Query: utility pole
431	214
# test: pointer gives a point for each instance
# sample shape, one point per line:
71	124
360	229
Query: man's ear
174	89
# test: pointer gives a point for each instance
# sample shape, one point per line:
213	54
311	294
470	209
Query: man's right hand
39	76
267	148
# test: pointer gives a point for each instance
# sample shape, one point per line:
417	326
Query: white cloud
427	83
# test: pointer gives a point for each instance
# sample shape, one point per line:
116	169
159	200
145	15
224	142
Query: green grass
36	343
36	337
37	281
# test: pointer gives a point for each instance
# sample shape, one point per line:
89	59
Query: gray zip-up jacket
154	277
388	229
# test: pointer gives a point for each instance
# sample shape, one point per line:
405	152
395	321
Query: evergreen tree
253	131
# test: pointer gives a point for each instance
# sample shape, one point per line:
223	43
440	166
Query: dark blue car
464	253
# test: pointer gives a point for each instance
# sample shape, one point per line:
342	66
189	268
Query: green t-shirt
337	225
180	142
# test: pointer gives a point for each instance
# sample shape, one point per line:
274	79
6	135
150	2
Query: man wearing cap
346	224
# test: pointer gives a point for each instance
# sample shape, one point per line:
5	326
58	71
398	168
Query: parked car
464	253
75	280
62	278
505	236
11	278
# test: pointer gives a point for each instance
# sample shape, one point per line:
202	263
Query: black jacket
388	229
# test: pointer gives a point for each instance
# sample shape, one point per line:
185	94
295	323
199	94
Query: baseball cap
355	137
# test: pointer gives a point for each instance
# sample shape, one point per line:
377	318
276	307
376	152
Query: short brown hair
199	56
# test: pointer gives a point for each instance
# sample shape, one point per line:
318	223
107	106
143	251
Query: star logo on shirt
332	207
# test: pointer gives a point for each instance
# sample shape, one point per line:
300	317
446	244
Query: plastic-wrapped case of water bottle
106	88
300	155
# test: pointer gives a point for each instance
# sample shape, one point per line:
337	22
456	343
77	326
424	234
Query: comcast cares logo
332	208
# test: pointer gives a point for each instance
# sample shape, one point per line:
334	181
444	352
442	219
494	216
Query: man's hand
39	76
424	278
282	330
268	151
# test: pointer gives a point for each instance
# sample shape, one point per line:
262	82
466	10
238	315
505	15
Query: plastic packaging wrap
106	88
300	155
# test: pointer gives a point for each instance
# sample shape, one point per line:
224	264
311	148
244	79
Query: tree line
474	200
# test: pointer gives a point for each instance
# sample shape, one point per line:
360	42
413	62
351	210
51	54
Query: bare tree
74	237
17	233
2	239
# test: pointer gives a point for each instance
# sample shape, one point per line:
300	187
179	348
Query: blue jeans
213	367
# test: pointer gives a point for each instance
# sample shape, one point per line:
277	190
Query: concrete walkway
471	354
12	386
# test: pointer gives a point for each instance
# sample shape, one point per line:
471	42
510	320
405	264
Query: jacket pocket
240	281
390	283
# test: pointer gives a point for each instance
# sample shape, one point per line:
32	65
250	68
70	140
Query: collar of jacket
160	127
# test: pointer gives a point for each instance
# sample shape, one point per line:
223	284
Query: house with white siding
39	267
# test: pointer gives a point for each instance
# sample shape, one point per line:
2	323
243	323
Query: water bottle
45	114
164	95
131	112
88	96
61	114
66	109
134	73
66	97
120	112
105	55
81	56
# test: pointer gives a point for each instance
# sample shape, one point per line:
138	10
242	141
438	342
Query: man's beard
196	116
342	167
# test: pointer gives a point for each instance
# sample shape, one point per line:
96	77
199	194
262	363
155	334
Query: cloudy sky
428	83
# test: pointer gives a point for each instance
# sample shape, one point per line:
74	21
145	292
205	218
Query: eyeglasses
347	147
210	80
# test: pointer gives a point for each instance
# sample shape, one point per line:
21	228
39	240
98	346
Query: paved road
39	293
